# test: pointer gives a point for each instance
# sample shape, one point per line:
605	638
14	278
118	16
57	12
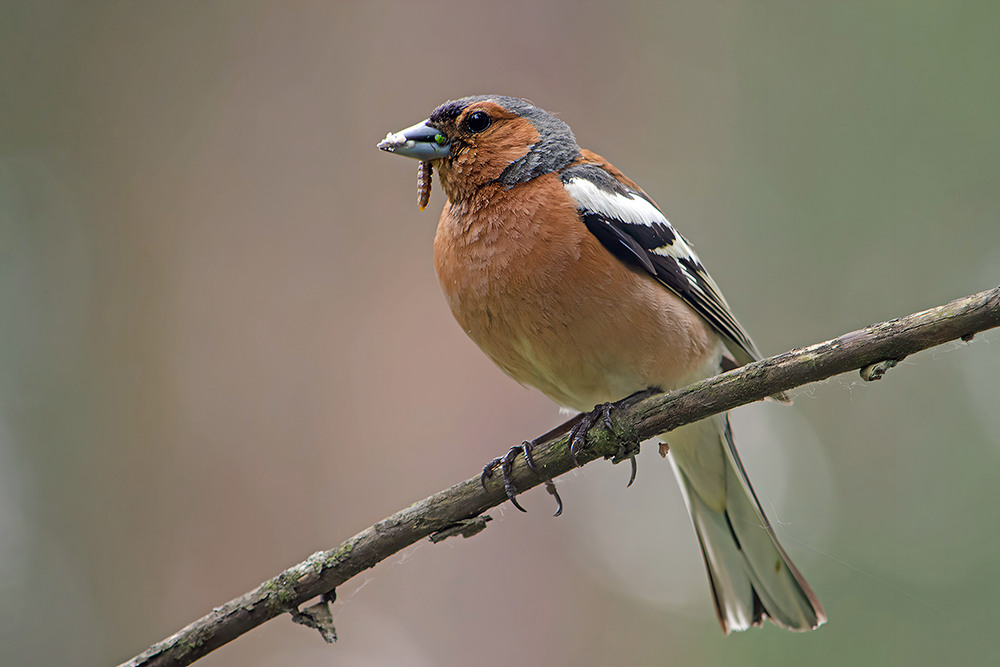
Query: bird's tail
751	576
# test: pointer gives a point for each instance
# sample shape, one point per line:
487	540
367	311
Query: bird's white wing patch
634	210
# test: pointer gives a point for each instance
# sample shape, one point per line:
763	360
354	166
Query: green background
223	346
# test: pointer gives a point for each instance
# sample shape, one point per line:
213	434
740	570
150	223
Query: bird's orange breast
553	308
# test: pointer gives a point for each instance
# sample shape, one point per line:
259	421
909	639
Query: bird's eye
478	121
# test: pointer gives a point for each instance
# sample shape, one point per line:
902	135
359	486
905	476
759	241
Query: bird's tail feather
752	577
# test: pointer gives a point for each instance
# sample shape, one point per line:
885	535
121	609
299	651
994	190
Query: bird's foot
506	465
577	428
627	448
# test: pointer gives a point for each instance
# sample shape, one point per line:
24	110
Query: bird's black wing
635	231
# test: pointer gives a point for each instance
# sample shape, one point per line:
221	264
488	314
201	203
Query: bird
571	280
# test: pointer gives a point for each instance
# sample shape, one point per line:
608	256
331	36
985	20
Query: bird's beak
421	142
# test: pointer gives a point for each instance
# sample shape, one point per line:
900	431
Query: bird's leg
602	413
577	428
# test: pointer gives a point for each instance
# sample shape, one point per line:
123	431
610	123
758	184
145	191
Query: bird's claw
506	465
577	428
602	413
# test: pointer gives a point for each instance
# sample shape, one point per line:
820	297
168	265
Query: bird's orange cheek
486	159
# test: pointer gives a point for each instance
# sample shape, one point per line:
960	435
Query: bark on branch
458	510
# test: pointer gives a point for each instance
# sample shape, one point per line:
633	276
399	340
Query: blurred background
223	346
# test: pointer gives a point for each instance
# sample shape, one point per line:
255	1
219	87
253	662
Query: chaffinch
571	279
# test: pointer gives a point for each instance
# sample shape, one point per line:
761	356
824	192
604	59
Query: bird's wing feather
635	231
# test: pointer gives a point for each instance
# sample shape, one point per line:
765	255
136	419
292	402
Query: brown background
222	344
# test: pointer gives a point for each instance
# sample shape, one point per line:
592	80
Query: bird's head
486	140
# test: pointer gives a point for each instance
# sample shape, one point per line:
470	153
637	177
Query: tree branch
457	510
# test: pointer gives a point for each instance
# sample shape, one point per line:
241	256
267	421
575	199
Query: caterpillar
425	173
